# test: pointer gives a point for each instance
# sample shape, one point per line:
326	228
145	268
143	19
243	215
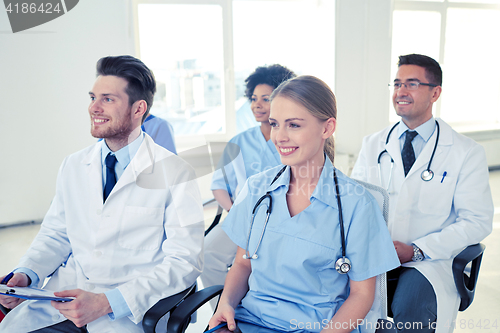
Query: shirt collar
125	154
325	189
425	130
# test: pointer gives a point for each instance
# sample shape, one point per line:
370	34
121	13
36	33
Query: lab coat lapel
425	155
445	139
94	173
394	151
142	162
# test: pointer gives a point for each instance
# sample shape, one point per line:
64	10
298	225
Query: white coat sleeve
182	248
472	210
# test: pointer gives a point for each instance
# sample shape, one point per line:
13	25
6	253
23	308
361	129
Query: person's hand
18	280
85	308
405	252
224	314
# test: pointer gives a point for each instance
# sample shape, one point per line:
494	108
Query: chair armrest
179	318
162	307
216	220
466	284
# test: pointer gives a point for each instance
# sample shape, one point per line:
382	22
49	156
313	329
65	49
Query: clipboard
32	294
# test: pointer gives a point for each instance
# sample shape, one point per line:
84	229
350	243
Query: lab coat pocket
141	228
436	196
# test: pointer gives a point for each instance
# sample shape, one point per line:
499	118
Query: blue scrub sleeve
227	183
368	243
233	164
161	132
237	222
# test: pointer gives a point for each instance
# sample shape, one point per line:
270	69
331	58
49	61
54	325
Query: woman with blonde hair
310	240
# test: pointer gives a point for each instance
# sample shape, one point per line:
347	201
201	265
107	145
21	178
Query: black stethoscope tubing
426	175
342	265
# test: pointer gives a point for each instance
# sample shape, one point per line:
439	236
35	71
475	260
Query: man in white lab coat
440	200
127	212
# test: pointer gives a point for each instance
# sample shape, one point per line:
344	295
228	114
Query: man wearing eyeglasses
440	200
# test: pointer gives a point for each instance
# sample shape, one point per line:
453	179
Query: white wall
45	75
362	70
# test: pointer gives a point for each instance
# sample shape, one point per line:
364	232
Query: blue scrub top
294	278
160	131
257	155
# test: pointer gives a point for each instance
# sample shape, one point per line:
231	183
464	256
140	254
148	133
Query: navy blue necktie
110	175
408	154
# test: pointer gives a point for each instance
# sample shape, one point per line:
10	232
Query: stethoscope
342	265
426	175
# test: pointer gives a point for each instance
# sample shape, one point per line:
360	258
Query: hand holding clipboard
32	293
28	292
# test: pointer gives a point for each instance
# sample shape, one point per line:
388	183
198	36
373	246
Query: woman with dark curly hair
254	153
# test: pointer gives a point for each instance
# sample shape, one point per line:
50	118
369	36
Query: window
184	43
457	33
189	45
299	35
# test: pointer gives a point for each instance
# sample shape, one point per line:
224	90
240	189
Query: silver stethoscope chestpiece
427	175
343	265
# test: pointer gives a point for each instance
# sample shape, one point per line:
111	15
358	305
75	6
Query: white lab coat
441	216
146	239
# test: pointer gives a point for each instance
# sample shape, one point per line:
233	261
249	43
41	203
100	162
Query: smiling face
260	104
111	116
414	106
298	136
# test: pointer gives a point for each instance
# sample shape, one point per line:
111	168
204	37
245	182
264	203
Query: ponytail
329	148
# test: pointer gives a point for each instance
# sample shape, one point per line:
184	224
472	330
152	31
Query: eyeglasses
411	85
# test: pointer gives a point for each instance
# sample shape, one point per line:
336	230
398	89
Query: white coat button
98	211
97	254
90	287
56	317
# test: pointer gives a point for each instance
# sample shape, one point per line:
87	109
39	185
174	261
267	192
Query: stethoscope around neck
426	175
342	265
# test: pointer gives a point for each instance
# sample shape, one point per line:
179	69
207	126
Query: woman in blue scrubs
292	283
253	152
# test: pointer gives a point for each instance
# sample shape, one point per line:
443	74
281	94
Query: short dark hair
141	81
433	71
272	75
